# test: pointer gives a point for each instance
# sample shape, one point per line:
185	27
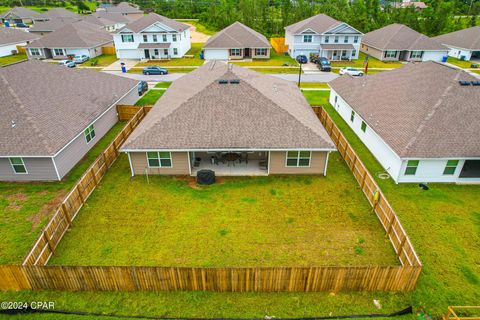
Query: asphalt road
320	77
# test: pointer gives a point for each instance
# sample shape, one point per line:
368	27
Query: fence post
65	213
47	240
80	193
92	172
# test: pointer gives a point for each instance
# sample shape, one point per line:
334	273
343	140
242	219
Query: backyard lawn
163	85
276	59
11	59
102	60
372	63
26	207
185	61
321	85
150	98
240	221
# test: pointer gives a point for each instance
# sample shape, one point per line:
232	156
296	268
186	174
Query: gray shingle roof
319	23
419	110
123	7
22	13
75	35
151	18
51	25
112	16
10	36
400	37
467	38
260	112
59	13
58	104
237	35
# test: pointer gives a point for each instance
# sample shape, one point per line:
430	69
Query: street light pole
299	73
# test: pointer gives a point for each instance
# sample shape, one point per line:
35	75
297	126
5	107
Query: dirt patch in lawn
16	201
192	182
47	209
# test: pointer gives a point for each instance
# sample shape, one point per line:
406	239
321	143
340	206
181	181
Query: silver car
67	63
80	59
351	71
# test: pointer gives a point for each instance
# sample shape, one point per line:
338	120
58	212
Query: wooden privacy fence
278	44
62	218
384	211
463	313
108	50
274	279
127	112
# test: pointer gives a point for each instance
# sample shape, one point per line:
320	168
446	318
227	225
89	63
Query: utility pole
299	73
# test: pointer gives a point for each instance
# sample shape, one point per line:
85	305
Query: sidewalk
129	63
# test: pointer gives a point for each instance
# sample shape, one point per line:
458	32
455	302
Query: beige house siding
378	54
278	163
179	164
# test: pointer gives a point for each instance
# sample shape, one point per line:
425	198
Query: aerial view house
125	9
419	121
463	44
152	37
397	42
47	26
119	21
56	13
79	38
237	41
11	38
325	36
42	137
107	24
20	15
233	121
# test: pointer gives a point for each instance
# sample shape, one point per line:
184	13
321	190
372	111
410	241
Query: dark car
324	64
142	87
21	25
302	59
154	70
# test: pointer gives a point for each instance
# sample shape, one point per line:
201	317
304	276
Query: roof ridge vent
223	81
464	83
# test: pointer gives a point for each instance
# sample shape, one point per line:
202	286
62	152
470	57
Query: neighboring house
463	44
323	35
418	121
44	27
107	24
79	38
222	109
20	15
152	37
58	13
47	127
125	9
11	38
397	42
119	19
237	41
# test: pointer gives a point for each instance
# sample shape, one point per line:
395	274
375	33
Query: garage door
128	54
216	54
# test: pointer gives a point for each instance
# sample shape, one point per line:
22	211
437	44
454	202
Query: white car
80	59
67	63
351	71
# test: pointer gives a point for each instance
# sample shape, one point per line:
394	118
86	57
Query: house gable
125	30
344	29
157	27
308	31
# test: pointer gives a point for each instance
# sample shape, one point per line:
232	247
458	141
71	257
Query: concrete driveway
129	63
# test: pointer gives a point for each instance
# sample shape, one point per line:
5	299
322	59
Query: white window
154	38
355	39
352	116
175	51
327	39
411	168
235	52
34	51
18	165
165	52
89	133
345	39
58	52
164	37
450	167
298	158
261	52
174	37
416	54
159	159
335	39
307	38
127	37
155	52
145	38
390	54
363	126
354	53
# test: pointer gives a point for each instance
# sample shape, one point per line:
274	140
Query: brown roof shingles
419	110
151	18
319	23
260	112
11	36
466	39
58	105
237	35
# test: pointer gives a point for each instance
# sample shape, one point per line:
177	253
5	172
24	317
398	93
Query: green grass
195	61
26	207
277	70
443	224
102	60
461	63
241	221
322	85
276	59
200	27
317	98
372	63
11	59
163	85
475	71
150	98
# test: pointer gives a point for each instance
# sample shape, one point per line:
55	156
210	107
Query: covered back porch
230	163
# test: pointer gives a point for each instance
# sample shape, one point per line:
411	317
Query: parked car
351	71
302	59
67	63
154	70
80	59
21	25
142	87
324	64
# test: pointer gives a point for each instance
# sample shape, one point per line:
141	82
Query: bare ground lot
262	221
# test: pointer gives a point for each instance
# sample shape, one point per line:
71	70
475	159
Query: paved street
320	77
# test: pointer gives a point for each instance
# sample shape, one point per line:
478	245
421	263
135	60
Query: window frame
449	166
37	52
164	37
260	51
327	39
156	53
363	126
388	53
159	158
416	54
411	169
55	51
88	133
232	54
355	39
352	116
145	38
126	38
336	39
174	38
22	164
345	39
175	51
165	52
309	37
154	38
298	158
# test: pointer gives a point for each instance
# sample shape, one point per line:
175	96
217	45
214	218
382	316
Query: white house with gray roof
324	36
420	121
233	121
152	37
462	44
10	39
47	127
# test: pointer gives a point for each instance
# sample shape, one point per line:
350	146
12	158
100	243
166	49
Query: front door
247	53
147	54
